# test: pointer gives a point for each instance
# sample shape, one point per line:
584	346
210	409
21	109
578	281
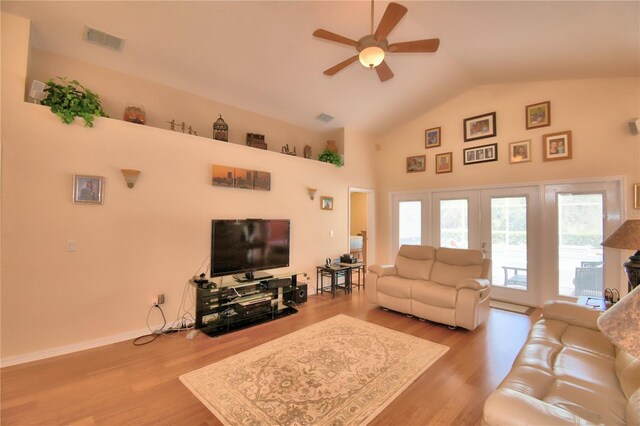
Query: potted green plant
70	99
329	156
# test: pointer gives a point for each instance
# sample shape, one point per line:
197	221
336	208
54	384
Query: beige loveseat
567	373
444	285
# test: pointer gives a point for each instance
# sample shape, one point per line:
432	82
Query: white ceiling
261	56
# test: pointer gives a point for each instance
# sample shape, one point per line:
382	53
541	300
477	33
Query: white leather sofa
567	373
449	286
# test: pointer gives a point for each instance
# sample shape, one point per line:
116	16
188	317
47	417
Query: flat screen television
244	246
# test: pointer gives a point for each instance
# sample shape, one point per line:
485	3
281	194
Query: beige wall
596	111
144	240
359	206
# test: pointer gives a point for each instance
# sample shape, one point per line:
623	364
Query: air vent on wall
325	118
104	39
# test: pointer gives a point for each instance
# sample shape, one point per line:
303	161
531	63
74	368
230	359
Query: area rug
341	371
511	307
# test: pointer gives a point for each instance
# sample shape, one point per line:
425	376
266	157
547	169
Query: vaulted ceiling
261	55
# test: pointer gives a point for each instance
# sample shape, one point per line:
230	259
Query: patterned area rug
341	371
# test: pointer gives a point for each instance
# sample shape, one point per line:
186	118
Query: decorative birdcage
221	130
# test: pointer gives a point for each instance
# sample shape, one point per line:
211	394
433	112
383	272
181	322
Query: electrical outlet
160	299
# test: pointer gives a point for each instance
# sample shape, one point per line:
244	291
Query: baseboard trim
76	347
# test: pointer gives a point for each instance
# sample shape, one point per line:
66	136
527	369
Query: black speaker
300	294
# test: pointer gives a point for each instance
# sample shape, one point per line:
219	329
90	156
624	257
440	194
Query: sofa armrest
473	283
383	270
509	407
571	313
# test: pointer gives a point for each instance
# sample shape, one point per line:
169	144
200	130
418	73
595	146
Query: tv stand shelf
234	305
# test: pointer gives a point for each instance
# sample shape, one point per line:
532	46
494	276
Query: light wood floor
124	384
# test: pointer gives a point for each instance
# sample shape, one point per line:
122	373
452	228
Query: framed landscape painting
222	176
480	127
538	115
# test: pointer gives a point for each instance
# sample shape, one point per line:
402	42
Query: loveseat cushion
395	286
415	262
569	335
434	294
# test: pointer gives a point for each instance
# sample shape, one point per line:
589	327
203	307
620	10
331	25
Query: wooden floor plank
126	384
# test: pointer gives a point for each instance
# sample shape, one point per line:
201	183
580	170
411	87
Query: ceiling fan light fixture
371	56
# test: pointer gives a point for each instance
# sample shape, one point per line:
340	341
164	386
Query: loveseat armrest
506	407
473	283
383	270
571	313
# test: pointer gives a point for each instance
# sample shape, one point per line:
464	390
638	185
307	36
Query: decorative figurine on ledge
307	151
285	150
183	126
221	130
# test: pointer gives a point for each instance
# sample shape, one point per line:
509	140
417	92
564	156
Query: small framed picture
432	137
88	189
538	115
556	146
520	152
480	154
326	203
636	195
416	164
444	163
480	127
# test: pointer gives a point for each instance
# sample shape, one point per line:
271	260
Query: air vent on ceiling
104	39
325	118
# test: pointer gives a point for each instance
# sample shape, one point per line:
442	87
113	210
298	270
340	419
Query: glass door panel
580	255
454	223
410	222
509	241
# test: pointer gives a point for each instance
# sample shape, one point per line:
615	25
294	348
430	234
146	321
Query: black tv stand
251	276
223	306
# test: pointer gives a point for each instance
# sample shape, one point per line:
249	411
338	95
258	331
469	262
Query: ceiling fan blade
328	35
419	46
389	20
384	72
334	69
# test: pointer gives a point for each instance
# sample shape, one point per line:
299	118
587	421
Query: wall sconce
131	176
312	193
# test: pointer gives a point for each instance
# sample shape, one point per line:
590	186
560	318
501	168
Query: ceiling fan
373	47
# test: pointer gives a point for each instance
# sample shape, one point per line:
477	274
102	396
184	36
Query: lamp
371	56
131	176
621	323
627	236
312	193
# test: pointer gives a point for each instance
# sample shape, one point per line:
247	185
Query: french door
543	239
504	224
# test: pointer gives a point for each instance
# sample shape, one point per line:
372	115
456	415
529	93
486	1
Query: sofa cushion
460	257
395	286
415	262
434	294
446	274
